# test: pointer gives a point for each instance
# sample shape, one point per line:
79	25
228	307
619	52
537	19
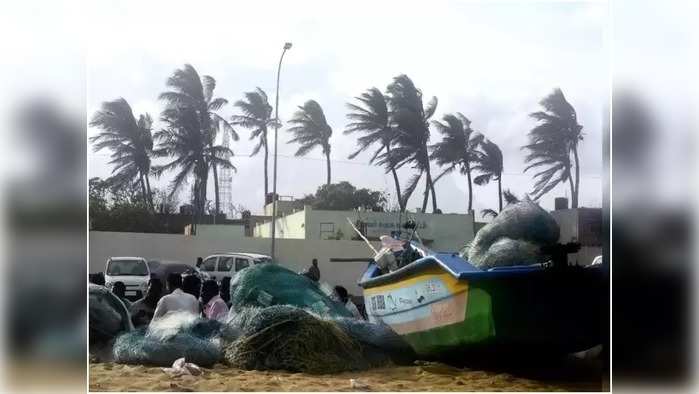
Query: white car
132	271
220	265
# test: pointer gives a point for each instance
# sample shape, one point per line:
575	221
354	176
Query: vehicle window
225	264
263	260
241	263
209	264
127	267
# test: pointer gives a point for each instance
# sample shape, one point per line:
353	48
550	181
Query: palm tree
191	150
310	129
370	116
489	164
130	141
551	143
257	116
409	119
457	149
191	91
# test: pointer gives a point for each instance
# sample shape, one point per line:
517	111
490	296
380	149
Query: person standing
177	300
312	272
214	306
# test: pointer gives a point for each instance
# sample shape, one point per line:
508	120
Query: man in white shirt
343	297
177	300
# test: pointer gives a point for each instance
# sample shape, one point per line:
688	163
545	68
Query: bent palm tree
551	142
409	120
457	149
192	152
256	116
310	130
489	164
370	116
191	91
130	141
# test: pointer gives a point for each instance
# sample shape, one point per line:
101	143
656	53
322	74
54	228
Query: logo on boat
378	302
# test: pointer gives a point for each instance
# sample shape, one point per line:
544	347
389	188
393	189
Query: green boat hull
545	311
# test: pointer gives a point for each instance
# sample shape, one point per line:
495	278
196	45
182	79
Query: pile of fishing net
284	337
380	344
515	237
108	315
265	285
175	335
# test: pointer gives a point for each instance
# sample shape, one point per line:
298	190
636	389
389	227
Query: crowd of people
208	299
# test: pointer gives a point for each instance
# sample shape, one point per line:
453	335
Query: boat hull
547	311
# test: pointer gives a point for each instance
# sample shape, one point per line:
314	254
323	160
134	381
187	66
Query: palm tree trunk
434	195
470	187
327	156
216	189
430	184
577	177
500	191
395	180
143	191
150	193
264	139
427	194
572	188
197	197
202	191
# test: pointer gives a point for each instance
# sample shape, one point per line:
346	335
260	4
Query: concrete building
441	232
583	225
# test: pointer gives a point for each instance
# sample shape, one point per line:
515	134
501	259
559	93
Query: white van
220	265
132	271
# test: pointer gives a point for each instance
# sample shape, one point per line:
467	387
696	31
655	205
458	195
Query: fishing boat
442	305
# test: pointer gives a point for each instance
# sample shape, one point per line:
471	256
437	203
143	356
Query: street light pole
287	46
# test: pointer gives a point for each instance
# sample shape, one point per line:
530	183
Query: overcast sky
491	61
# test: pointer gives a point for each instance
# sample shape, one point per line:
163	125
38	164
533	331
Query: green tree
310	130
490	165
188	90
130	141
551	143
370	116
256	116
344	196
457	149
410	120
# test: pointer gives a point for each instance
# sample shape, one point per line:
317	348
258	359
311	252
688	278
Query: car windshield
261	260
127	267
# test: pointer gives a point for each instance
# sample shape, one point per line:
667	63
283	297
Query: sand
426	376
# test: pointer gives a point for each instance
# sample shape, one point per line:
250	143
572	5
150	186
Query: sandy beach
566	376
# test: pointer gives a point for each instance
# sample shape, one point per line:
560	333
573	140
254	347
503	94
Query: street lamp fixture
277	124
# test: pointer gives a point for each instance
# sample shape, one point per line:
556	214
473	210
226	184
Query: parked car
220	265
132	271
162	268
